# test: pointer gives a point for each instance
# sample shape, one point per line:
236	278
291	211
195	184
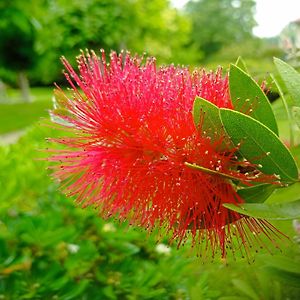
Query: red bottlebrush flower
134	140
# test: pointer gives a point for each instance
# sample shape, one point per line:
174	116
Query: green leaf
210	114
257	193
284	211
259	145
291	79
241	64
246	94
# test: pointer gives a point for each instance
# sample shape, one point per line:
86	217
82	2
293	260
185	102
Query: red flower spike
134	135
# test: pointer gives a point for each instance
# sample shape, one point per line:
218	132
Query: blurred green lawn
16	115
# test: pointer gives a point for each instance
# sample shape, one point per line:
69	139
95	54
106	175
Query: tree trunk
24	86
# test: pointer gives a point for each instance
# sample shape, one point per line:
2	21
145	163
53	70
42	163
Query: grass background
16	115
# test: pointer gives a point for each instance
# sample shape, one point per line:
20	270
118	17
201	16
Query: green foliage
218	23
17	37
138	26
258	193
248	97
35	34
53	28
256	141
287	194
291	79
260	145
209	113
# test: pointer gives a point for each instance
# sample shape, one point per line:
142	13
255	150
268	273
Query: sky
271	15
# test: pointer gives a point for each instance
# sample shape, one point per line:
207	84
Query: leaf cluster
251	126
17	39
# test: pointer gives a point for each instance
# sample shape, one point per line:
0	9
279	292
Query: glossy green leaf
241	64
210	114
260	145
284	211
291	79
257	193
246	94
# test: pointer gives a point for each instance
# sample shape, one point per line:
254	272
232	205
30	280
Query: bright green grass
17	116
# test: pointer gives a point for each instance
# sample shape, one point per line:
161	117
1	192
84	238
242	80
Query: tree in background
35	34
163	32
17	53
217	23
137	26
